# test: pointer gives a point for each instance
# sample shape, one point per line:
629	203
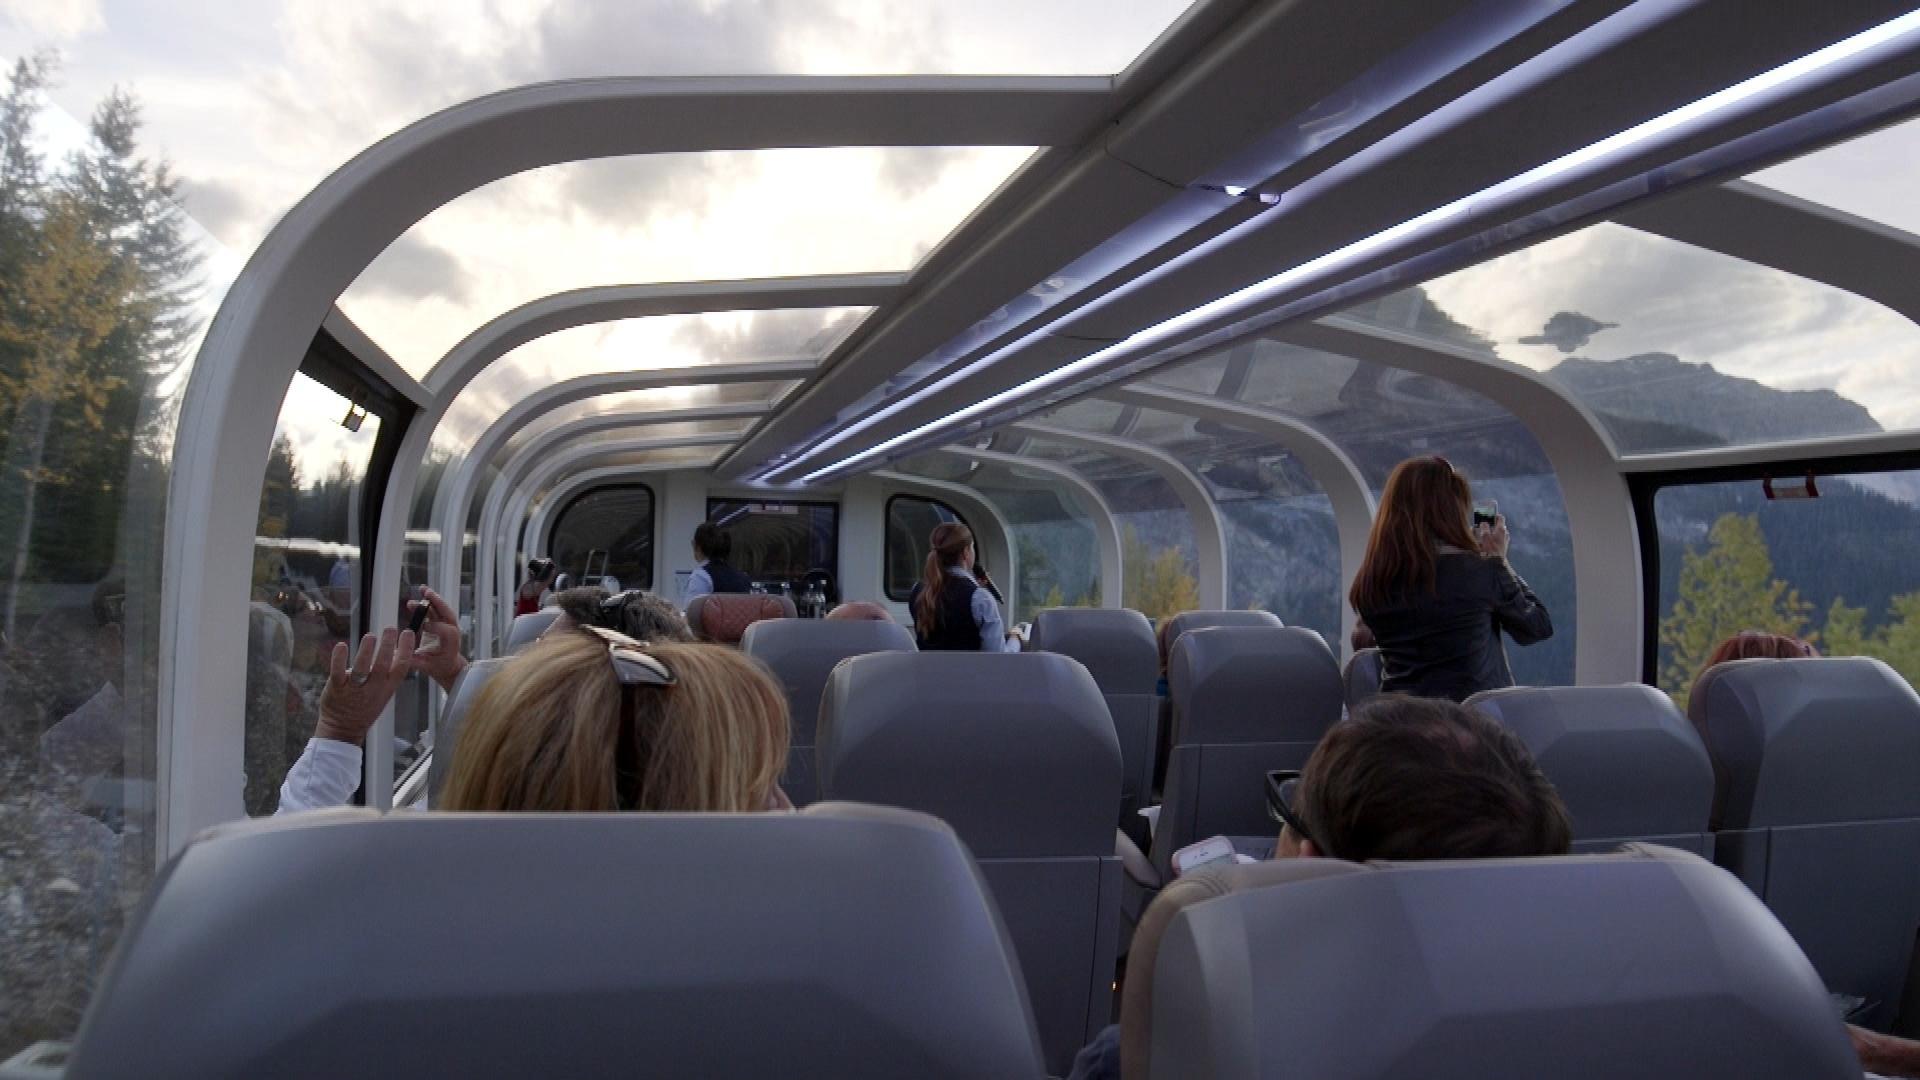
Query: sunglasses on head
634	667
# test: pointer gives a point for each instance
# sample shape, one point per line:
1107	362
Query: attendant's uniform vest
953	629
726	579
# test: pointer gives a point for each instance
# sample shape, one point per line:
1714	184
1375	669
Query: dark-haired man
1406	778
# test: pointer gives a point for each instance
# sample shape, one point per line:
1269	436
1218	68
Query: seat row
1798	776
858	941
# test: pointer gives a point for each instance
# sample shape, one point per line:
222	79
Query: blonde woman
593	721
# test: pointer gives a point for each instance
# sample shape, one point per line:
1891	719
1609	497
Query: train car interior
843	538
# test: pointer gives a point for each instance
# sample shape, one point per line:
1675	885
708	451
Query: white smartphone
1212	850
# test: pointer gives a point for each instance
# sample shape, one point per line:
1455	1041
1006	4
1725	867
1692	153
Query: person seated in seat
594	721
1436	589
751	727
1759	645
327	772
860	610
1406	778
635	613
711	546
951	609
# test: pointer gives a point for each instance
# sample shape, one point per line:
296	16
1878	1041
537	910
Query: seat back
1246	699
526	629
801	653
446	730
723	618
840	941
1361	676
1117	648
1626	763
1815	764
1017	753
1651	963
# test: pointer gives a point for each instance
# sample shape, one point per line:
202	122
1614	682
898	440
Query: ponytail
948	543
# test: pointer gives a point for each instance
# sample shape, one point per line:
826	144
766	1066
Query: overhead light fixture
1634	137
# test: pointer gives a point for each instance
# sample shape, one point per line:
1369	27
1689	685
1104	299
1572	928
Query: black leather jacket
1447	643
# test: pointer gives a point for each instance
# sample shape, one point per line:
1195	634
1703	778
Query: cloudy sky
256	101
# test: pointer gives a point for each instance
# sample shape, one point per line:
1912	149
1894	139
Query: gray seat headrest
839	941
1239	684
1015	751
1651	963
1115	645
1805	742
446	733
526	629
801	653
1624	760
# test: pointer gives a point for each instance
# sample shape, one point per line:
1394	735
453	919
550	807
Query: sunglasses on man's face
1282	786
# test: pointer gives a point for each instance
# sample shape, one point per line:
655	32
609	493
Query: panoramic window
606	533
105	291
306	576
1159	555
1827	570
911	520
779	543
1675	347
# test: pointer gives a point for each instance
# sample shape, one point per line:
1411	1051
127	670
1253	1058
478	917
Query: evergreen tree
96	275
1724	589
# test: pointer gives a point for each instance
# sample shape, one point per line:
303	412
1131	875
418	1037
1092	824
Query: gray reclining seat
1017	753
801	653
1246	699
446	730
1626	763
1651	963
1362	676
1817	769
526	629
1177	625
841	941
1116	647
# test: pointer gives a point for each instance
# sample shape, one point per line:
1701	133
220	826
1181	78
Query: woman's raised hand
356	693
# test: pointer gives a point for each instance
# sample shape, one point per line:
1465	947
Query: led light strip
1838	53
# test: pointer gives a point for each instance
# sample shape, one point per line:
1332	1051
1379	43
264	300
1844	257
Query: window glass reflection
105	290
608	532
306	577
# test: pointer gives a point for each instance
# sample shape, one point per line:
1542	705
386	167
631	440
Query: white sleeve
327	774
699	583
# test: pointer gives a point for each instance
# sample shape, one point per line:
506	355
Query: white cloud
58	20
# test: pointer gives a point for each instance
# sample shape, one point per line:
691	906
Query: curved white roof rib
1209	535
255	343
1336	474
